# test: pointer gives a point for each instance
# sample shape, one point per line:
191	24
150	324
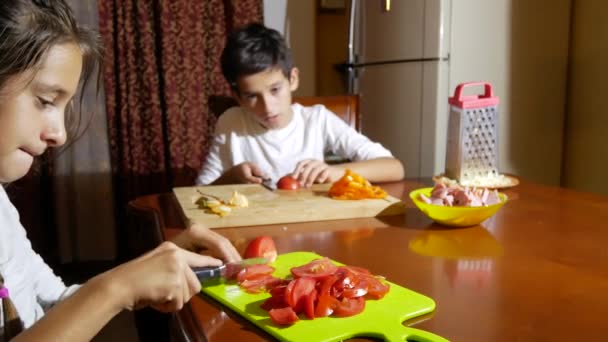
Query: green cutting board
381	318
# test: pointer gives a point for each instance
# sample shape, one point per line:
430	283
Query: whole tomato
288	183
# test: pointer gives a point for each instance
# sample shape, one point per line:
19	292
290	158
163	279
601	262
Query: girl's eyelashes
45	102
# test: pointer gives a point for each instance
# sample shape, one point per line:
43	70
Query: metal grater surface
472	144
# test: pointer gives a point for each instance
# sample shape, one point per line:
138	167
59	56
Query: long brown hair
28	30
12	323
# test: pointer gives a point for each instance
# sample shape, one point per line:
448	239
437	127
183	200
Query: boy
268	137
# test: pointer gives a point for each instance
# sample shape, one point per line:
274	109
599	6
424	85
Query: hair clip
3	292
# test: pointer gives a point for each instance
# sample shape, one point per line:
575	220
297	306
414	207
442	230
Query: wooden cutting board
282	206
381	319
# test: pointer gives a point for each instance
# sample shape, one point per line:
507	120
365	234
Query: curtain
81	176
162	62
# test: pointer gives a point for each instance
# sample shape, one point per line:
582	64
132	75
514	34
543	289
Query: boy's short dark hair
252	49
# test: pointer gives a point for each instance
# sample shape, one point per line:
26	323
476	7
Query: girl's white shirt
32	285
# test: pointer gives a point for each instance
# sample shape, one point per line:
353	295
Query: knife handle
208	272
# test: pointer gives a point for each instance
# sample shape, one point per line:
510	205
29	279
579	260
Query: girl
42	55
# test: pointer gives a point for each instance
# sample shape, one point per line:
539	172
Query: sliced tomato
288	292
318	268
274	302
349	307
325	305
309	304
254	272
259	284
278	290
359	289
301	289
283	316
358	270
262	246
376	289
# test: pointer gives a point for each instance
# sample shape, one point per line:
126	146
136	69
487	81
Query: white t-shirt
312	133
32	284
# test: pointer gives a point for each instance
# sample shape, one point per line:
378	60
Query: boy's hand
311	171
248	172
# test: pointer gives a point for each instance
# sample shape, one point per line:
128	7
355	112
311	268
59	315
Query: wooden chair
344	106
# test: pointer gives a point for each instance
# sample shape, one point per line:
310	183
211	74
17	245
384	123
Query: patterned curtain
162	62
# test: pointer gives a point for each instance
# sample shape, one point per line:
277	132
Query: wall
332	40
586	161
297	21
525	59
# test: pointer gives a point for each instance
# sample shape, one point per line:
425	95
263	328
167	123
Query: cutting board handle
413	335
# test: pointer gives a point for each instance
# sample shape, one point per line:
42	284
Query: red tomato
302	288
349	307
254	272
288	183
283	316
325	305
262	246
309	304
318	268
277	302
375	288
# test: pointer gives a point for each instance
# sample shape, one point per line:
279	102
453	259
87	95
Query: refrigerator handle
351	31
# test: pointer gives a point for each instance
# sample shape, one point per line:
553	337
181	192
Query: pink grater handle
485	100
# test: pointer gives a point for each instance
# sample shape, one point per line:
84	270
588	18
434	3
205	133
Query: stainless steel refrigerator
398	60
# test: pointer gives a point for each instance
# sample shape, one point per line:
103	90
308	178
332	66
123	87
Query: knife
225	271
269	184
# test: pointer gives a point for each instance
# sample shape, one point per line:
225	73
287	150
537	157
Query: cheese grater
472	143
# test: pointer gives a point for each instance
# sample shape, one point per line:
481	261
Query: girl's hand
161	278
197	238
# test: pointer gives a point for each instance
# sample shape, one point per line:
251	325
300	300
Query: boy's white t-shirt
31	283
312	133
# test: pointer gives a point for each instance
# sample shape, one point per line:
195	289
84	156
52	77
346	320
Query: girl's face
32	110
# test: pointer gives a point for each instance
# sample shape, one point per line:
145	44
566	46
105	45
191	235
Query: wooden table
536	271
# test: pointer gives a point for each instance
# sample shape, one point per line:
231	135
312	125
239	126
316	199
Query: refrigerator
398	63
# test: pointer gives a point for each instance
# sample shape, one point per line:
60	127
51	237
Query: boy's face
267	95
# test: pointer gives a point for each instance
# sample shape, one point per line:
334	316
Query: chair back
344	106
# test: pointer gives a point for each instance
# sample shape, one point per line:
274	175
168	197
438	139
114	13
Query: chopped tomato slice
318	268
274	302
359	289
262	246
349	307
301	289
283	316
375	288
253	272
358	270
288	292
259	284
325	305
309	304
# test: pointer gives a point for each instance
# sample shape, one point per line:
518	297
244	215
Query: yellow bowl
455	216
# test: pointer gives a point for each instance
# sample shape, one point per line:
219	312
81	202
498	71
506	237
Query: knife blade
269	184
225	271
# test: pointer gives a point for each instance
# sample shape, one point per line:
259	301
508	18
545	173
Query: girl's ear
294	79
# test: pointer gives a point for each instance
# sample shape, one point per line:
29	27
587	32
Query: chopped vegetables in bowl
458	216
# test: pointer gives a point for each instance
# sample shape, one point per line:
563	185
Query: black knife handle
207	272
